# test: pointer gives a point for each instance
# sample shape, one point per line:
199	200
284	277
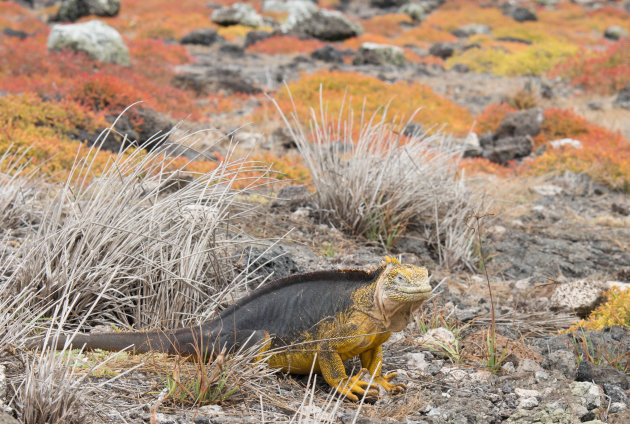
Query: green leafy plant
586	349
202	384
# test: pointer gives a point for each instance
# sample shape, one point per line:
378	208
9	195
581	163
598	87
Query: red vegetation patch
285	45
604	72
27	66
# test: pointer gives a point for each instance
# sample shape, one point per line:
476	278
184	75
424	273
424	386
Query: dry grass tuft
154	246
376	182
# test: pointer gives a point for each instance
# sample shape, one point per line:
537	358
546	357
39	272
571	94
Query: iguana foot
383	380
352	386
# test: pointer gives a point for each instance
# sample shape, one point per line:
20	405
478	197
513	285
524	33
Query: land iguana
304	322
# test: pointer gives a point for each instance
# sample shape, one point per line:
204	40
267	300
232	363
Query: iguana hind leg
373	360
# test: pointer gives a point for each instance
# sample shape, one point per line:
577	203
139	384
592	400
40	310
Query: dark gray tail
194	341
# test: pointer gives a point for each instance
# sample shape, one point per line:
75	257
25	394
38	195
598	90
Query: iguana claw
348	387
383	380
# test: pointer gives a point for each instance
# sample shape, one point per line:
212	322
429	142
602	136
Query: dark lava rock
71	10
205	80
514	40
253	37
148	133
328	26
232	49
283	139
508	148
573	253
386	4
513	138
584	371
616	393
621	208
203	37
623	98
413	129
443	50
328	54
274	262
526	122
522	14
601	374
615	32
15	33
292	198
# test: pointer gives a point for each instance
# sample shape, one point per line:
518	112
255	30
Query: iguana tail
196	341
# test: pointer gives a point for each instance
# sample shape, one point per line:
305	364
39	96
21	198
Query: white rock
472	139
528	403
523	284
547	190
455	375
100	41
497	231
617	407
211	410
526	393
164	419
417	361
579	296
300	214
237	14
481	376
297	10
556	144
528	365
508	367
437	336
589	393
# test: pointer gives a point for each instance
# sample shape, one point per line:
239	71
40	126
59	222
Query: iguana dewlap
307	321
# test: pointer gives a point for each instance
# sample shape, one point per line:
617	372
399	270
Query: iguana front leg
373	360
333	371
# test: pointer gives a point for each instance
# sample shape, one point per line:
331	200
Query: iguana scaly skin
305	322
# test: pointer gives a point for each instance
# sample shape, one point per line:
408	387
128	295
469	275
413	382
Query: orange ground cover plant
371	94
385	25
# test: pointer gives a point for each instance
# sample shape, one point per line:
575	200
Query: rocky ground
551	246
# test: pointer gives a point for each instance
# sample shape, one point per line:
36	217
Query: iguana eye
400	279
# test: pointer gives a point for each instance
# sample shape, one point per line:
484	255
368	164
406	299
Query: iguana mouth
413	289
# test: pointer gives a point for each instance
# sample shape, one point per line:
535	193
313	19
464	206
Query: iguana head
404	283
400	289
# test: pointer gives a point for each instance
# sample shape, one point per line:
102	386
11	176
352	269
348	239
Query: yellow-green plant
614	311
536	59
